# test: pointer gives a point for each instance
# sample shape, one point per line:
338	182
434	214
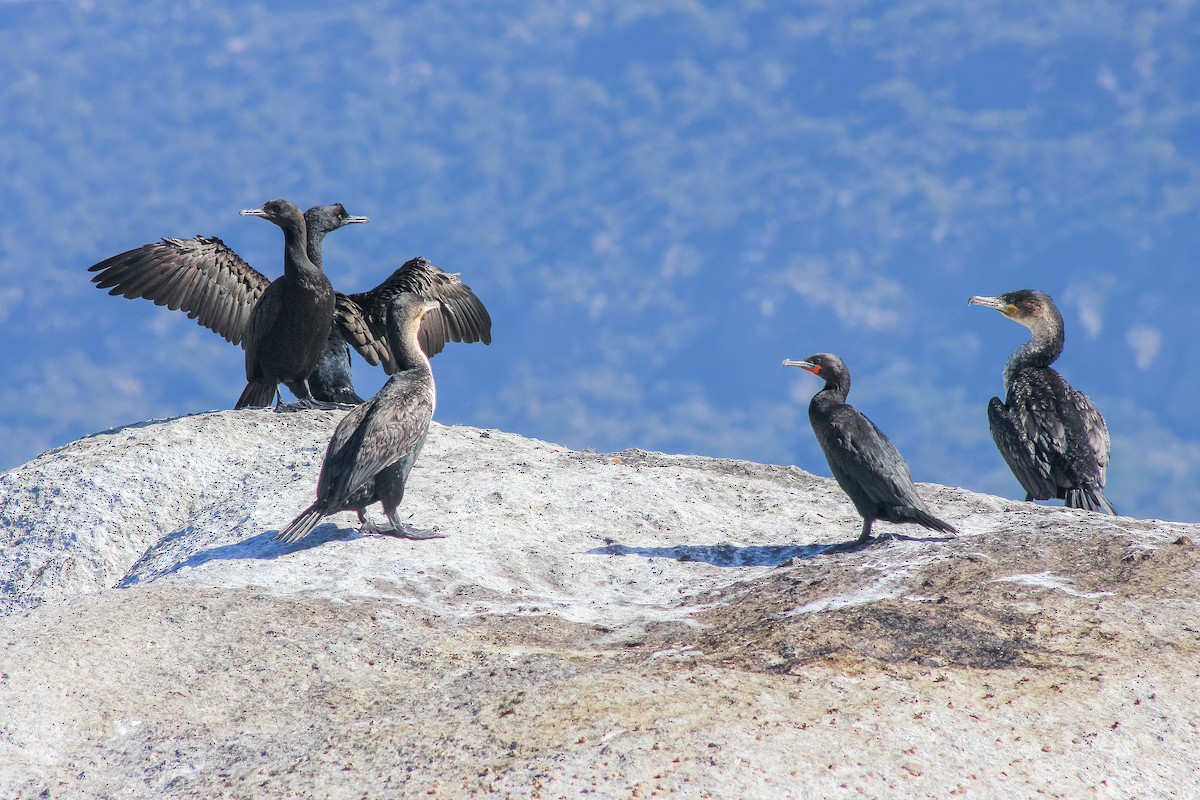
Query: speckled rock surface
604	625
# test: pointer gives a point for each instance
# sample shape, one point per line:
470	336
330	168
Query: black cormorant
332	379
865	463
289	325
1051	435
218	289
375	446
205	278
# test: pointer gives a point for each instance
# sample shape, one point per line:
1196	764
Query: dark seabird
375	446
865	463
205	278
1051	435
332	378
290	323
208	280
459	317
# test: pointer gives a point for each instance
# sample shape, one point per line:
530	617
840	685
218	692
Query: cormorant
865	463
218	289
1051	435
375	446
205	278
290	323
332	379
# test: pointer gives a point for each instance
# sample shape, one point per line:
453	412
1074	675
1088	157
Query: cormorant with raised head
332	379
290	323
204	277
865	463
208	280
1051	434
375	446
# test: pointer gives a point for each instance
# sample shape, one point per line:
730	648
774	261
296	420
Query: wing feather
362	317
376	435
1017	440
202	276
1096	430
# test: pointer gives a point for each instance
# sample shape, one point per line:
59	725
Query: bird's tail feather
301	526
1089	499
256	395
923	518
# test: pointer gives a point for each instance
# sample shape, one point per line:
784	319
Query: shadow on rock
854	545
164	559
719	555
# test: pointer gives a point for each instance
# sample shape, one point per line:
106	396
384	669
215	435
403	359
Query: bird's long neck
406	348
295	255
1042	349
836	389
315	237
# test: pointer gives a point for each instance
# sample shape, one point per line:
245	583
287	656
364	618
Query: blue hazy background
657	202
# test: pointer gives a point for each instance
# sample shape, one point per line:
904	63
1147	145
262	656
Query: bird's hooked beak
807	366
429	305
991	302
351	220
253	212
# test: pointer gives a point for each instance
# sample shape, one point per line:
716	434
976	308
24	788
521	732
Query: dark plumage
290	323
865	463
375	446
216	287
459	317
332	379
1050	434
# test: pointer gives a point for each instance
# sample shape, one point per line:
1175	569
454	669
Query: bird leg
863	540
305	400
395	528
370	527
365	525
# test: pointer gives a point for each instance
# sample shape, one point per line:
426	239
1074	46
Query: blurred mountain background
657	202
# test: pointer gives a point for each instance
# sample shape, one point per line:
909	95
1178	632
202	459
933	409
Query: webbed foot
306	405
409	532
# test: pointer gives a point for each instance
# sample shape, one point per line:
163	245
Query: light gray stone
605	625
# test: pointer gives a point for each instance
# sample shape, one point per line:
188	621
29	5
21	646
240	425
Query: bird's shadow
727	555
259	546
719	555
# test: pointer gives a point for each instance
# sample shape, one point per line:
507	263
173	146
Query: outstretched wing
357	329
201	276
362	317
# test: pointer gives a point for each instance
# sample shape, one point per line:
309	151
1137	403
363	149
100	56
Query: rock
614	624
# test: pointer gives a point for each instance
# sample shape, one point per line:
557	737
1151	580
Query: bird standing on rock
205	278
375	446
290	323
332	378
210	282
1050	434
863	460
